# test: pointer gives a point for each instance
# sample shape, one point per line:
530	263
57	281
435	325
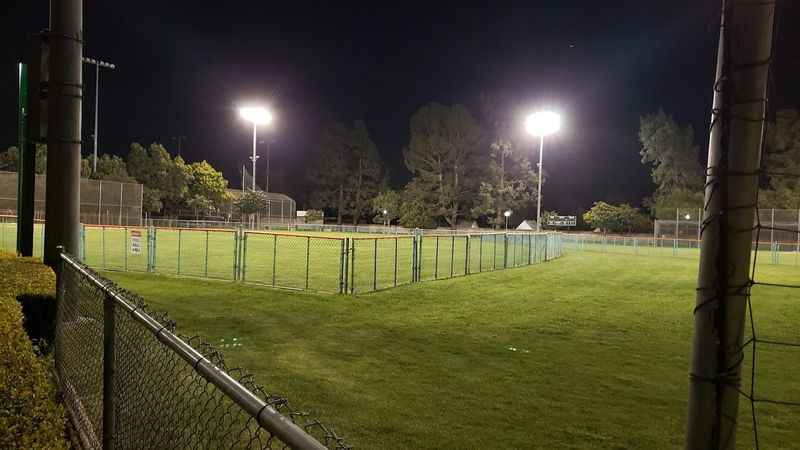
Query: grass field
587	351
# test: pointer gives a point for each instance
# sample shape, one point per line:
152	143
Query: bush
30	417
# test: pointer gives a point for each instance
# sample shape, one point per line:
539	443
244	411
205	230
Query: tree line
171	186
461	169
669	150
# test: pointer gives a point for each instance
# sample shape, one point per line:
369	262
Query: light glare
507	213
256	114
542	123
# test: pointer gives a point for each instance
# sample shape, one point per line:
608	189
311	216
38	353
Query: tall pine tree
444	157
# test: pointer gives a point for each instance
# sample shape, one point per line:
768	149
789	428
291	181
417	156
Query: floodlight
543	123
256	114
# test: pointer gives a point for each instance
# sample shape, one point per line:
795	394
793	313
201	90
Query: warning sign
136	242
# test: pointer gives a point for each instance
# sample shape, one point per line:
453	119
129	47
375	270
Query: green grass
587	351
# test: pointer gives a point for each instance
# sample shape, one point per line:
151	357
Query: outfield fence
786	253
129	381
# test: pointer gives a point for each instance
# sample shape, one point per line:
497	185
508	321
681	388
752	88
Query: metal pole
64	129
308	257
120	203
266	188
539	194
274	255
395	260
771	228
96	115
375	265
737	126
255	127
452	254
109	358
100	202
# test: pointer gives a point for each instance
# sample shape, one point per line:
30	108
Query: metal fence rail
130	382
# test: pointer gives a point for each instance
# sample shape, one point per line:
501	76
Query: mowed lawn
587	351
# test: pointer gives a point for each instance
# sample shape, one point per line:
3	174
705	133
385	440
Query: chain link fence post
436	260
179	251
243	275
274	257
466	257
375	264
395	260
308	258
452	253
109	358
342	269
505	250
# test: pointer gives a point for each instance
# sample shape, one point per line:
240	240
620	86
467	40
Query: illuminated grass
587	351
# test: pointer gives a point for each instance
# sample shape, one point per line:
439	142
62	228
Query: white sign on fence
136	242
562	221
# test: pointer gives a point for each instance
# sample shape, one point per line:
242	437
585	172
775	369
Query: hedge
30	416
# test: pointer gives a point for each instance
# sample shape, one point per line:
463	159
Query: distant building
527	225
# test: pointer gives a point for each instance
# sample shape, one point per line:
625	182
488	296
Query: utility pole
65	94
97	65
179	139
737	124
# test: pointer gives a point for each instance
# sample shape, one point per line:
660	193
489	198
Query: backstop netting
102	202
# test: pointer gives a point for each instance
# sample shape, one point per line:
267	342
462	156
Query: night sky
184	66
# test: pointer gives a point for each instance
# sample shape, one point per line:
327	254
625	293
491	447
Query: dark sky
183	66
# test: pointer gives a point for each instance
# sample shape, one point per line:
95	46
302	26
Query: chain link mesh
160	399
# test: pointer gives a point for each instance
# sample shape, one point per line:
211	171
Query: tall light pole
97	65
507	214
541	124
257	115
179	140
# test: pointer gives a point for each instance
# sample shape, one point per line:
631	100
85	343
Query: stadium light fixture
541	124
687	217
257	115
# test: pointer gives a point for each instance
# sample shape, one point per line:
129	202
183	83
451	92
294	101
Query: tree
251	202
443	157
602	216
782	161
348	172
9	159
388	201
511	183
671	152
618	218
367	169
206	187
329	175
166	181
414	212
111	168
663	205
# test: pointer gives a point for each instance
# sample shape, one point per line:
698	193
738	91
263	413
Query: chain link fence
334	264
777	252
782	226
101	202
130	382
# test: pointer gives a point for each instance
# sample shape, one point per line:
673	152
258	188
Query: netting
784	225
101	202
129	381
